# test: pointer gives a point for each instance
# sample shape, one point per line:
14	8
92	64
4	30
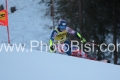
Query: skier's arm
53	35
78	35
51	45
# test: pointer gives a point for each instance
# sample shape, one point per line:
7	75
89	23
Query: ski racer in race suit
59	36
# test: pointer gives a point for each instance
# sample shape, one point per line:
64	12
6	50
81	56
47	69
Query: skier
58	36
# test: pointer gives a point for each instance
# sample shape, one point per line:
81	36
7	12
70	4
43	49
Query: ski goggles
62	27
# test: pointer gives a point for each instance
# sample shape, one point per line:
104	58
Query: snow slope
28	23
49	66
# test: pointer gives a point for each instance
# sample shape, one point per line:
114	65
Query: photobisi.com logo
88	47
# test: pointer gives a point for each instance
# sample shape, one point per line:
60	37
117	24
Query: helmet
62	25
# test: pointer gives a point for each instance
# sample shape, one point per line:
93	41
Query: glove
51	48
83	40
